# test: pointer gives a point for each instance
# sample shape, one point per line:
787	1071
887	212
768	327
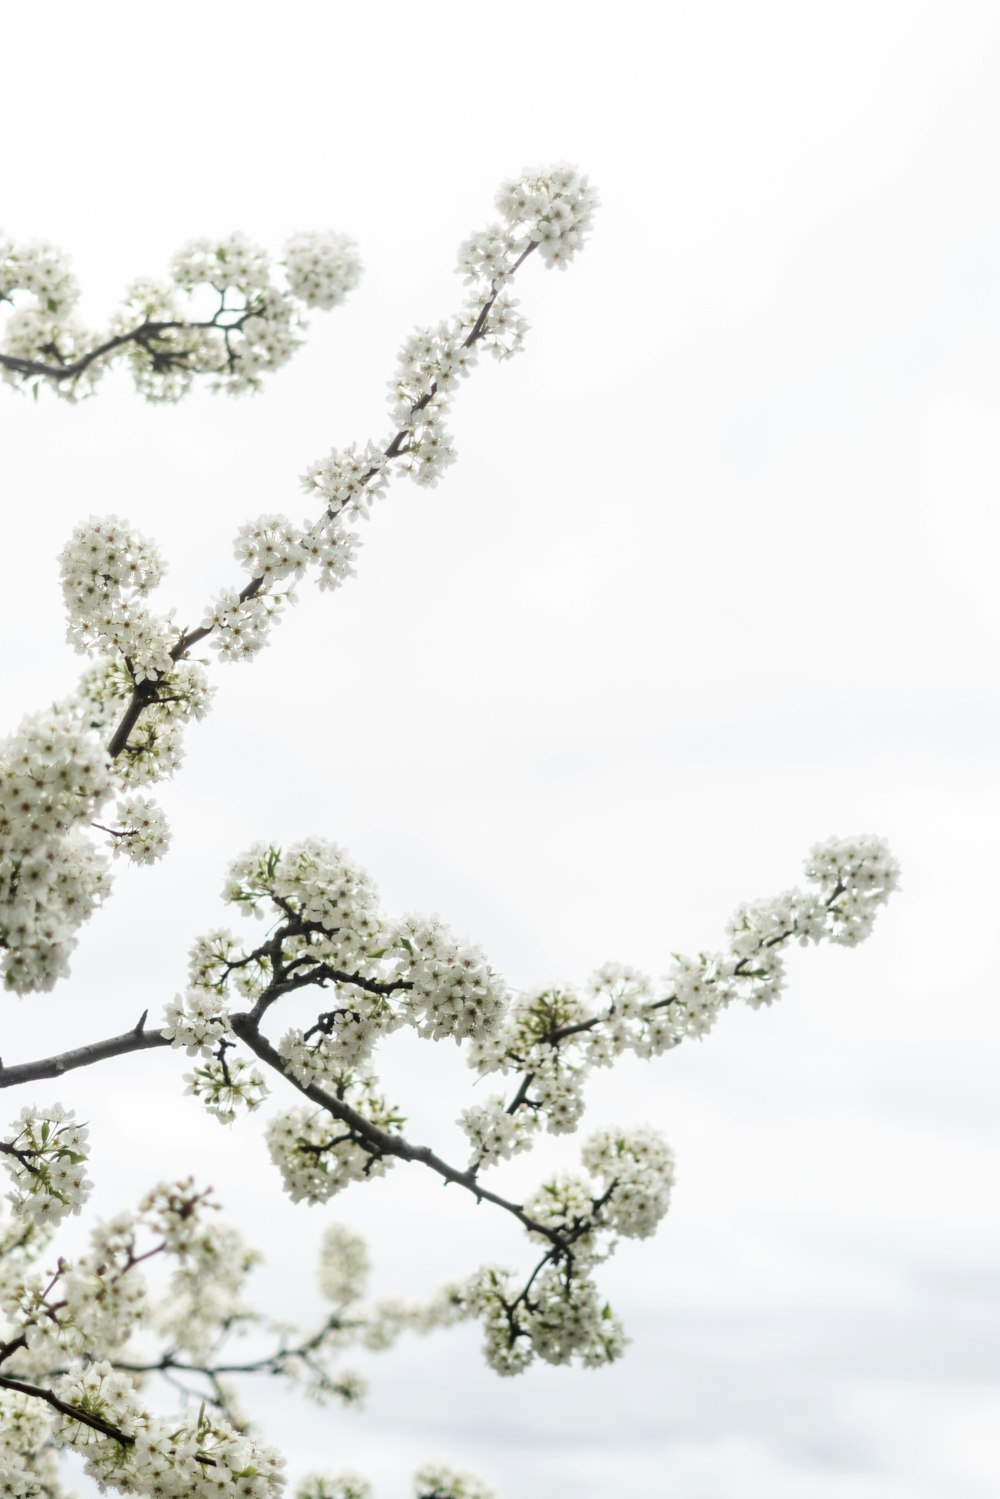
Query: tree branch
143	334
378	1140
97	1423
144	694
82	1056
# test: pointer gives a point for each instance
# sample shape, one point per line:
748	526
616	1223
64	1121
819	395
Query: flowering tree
132	1367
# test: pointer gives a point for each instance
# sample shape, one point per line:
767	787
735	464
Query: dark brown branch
97	1423
7	1148
522	1093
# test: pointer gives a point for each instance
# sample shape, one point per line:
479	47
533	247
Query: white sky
713	578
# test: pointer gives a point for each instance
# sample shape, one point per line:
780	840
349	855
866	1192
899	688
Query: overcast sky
713	578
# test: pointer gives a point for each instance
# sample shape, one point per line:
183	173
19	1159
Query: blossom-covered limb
547	211
148	335
553	1037
67	1346
72	1412
170	332
61	1336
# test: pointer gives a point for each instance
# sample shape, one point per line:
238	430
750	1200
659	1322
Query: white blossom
108	570
142	834
225	1085
343	1264
495	1133
636	1172
454	991
220	316
46	1158
339	1486
198	1021
53	781
321	268
270	548
318	1155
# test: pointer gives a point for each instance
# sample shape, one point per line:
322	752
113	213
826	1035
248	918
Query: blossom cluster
83	1331
433	1481
240	625
343	1265
563	1320
72	1332
42	318
46	1158
551	208
495	1132
55	776
505	1318
53	781
321	267
226	1084
545	210
330	901
178	1458
29	1466
318	1156
559	1315
342	1276
347	483
376	976
108	570
327	929
221	315
39	269
441	1481
155	745
335	1486
99	1299
550	211
210	1264
142	834
452	991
